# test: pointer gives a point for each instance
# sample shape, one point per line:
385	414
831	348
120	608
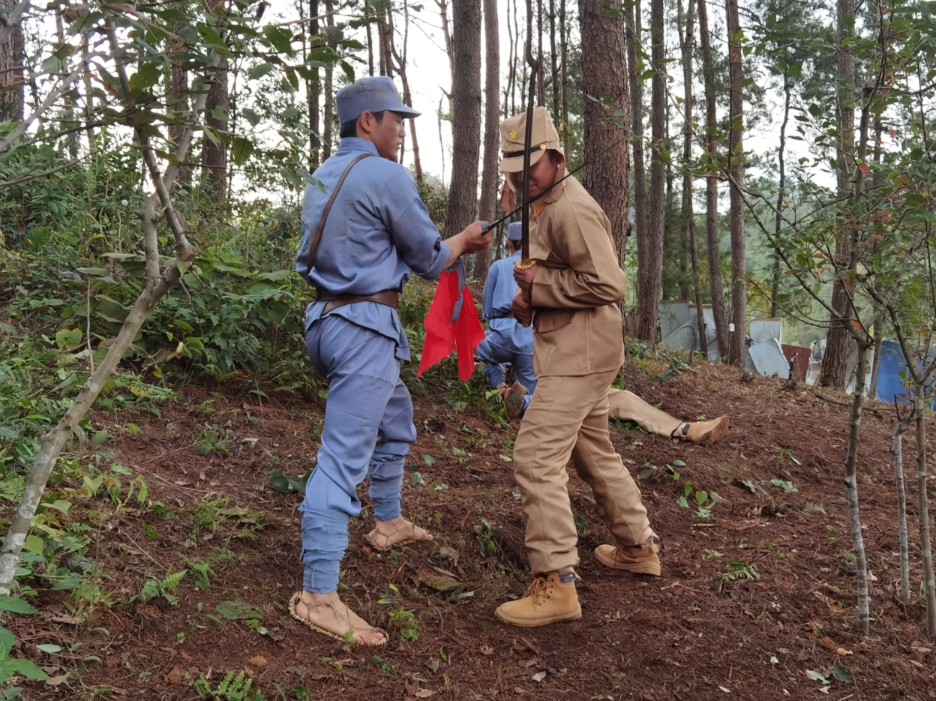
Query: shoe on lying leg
548	600
703	432
639	559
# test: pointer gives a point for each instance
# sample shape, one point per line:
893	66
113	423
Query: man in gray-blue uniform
507	341
365	231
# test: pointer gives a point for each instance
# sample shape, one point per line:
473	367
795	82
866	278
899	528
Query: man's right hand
469	240
476	239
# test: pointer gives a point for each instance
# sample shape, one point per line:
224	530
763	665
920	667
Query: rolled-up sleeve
414	234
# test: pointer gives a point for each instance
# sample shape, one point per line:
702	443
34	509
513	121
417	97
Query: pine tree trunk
686	40
314	92
466	116
737	349
11	68
835	358
328	113
711	187
781	196
214	157
564	48
632	28
604	72
650	278
489	175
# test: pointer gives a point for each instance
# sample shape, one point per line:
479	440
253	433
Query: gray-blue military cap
515	231
374	94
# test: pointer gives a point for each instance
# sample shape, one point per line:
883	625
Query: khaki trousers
568	418
627	406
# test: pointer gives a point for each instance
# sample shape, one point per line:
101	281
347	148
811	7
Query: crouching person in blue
506	340
365	231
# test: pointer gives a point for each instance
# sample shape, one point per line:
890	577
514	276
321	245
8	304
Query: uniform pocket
547	320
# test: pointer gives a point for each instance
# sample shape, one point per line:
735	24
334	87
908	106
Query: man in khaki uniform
574	287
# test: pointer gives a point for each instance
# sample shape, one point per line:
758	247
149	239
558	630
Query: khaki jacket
578	286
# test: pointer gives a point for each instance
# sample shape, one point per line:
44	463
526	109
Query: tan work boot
639	559
703	432
547	601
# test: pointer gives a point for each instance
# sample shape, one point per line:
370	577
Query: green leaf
49	648
241	148
25	668
14	604
240	611
842	674
68	338
7	641
146	77
816	676
258	71
279	37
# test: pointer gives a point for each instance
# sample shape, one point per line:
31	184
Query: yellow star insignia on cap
513	135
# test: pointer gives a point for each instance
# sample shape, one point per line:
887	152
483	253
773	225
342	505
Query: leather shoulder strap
313	247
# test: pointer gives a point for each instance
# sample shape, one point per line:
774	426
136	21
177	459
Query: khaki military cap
513	132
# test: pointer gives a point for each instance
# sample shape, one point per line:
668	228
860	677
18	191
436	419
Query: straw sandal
406	532
349	636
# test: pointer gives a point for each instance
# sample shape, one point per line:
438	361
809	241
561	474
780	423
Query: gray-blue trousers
368	432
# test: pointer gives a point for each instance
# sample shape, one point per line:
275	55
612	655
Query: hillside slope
756	600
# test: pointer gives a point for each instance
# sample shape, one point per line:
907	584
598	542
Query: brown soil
688	635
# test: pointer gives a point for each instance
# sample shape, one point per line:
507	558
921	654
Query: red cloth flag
452	325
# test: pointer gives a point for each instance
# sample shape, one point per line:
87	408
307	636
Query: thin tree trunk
447	35
328	113
314	91
835	358
878	331
564	48
851	486
11	68
686	39
466	116
368	14
650	277
554	62
711	187
632	28
511	68
386	43
401	61
897	450
781	196
929	580
735	168
88	91
214	156
540	60
489	177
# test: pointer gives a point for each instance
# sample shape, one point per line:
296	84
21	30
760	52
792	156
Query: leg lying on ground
627	406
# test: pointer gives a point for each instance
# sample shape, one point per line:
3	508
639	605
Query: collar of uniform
354	143
553	193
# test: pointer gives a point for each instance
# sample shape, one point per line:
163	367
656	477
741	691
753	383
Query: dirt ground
756	601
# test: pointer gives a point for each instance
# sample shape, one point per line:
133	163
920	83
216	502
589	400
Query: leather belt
389	298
